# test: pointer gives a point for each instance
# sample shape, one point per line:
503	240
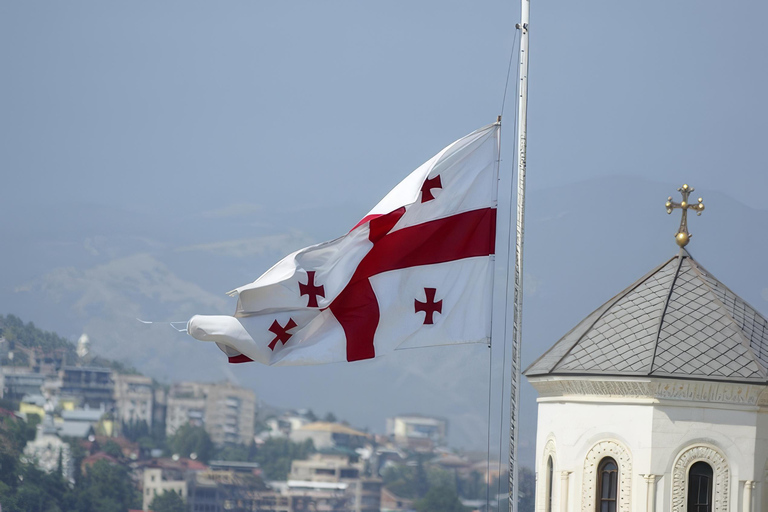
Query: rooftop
335	428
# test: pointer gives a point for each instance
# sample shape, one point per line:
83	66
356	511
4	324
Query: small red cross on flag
281	333
310	289
429	307
426	188
370	275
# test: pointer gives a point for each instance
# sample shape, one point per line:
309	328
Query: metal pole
517	319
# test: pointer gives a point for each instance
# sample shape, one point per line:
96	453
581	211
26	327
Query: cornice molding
662	389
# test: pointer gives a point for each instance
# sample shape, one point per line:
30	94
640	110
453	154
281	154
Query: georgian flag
415	272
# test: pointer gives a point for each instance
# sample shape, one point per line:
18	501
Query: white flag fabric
416	271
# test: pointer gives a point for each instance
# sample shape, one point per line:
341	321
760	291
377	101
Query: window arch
700	479
720	479
546	466
550	475
607	485
590	490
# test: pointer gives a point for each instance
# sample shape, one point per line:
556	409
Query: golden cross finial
683	236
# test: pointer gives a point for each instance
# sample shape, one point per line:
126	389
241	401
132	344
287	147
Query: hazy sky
134	133
175	107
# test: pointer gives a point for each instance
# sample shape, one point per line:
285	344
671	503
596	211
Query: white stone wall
650	435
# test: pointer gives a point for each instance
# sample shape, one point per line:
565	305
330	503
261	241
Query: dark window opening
550	473
607	485
700	487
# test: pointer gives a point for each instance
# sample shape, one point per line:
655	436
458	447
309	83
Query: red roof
92	459
181	464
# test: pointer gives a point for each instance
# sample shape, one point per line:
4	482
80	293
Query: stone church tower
657	401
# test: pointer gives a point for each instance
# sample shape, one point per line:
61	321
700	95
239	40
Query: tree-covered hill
20	336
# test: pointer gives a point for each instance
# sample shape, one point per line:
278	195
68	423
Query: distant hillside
20	336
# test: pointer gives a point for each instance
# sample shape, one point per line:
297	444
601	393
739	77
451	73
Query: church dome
677	321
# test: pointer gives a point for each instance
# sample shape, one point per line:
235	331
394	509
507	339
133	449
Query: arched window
607	485
550	474
700	479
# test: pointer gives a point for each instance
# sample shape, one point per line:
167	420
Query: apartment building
93	386
134	399
417	432
185	403
229	414
225	411
334	482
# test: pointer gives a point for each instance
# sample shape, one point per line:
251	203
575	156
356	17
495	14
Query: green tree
330	418
107	488
188	440
235	452
19	431
421	482
169	501
276	454
414	481
34	491
399	480
113	449
440	499
29	336
133	430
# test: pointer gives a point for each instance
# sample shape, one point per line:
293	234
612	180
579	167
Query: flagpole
517	319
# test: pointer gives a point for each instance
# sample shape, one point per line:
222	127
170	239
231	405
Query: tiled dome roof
677	321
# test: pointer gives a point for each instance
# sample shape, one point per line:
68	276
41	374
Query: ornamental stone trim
619	453
549	451
680	476
694	391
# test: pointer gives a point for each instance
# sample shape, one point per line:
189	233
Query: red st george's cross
464	235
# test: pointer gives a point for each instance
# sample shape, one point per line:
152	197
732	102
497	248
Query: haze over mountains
96	270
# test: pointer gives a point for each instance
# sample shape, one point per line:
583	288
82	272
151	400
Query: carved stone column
650	492
565	478
748	486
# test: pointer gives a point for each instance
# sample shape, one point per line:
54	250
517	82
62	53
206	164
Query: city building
158	481
230	412
163	475
44	361
227	485
48	452
329	435
417	432
134	399
38	360
18	382
33	404
159	406
269	501
390	502
227	412
658	400
334	481
283	425
185	403
92	385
